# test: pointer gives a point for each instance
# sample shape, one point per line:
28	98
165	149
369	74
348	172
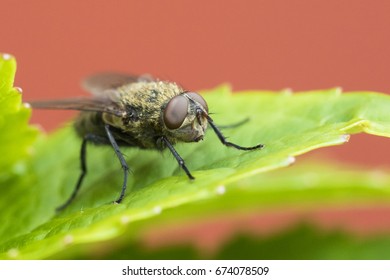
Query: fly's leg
83	152
180	161
227	143
83	164
122	160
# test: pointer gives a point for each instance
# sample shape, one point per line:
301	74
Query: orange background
305	44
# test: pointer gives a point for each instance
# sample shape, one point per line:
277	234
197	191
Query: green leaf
288	124
17	136
303	188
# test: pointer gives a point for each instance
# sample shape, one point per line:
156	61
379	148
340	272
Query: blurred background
251	44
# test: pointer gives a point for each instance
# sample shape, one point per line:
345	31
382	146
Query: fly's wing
100	84
82	104
105	97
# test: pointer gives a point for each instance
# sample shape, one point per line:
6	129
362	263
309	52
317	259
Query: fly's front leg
223	140
180	161
122	160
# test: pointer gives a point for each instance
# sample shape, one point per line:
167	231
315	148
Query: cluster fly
137	111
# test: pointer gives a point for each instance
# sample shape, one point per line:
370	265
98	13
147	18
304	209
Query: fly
137	111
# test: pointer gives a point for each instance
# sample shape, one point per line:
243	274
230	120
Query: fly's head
185	117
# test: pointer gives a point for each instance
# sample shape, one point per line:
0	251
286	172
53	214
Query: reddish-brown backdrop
262	44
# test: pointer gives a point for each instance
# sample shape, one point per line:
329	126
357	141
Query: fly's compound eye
175	112
196	97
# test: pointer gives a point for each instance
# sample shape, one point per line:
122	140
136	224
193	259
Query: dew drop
125	220
287	91
27	105
220	190
13	253
338	90
157	210
291	160
378	178
7	56
68	239
345	137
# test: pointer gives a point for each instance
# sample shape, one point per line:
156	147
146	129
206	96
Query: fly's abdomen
90	123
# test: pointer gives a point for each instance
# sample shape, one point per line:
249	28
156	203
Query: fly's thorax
142	102
148	94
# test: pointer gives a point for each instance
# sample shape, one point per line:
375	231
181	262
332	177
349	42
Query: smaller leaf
17	136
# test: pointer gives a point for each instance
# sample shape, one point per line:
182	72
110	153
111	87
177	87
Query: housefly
137	111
